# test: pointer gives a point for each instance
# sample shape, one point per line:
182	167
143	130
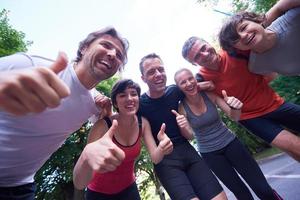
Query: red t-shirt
251	89
116	181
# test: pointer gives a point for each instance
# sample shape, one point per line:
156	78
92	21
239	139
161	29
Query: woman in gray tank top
219	147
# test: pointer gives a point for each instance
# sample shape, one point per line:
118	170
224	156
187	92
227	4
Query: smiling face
103	57
154	76
251	34
186	82
203	54
127	101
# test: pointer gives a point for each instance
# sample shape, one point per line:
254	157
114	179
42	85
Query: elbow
77	185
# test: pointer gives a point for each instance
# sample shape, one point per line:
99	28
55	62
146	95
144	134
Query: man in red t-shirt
264	112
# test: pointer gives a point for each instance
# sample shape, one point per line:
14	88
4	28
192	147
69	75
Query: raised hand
104	103
181	119
165	144
103	155
232	102
33	90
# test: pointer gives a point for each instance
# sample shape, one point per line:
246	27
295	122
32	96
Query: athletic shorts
268	126
185	175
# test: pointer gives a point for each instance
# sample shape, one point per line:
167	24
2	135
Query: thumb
175	113
161	132
224	93
111	131
60	63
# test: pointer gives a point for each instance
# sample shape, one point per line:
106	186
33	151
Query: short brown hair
228	35
98	34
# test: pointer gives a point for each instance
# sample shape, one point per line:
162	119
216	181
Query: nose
157	72
111	53
188	83
243	36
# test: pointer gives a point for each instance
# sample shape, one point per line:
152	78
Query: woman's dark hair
120	86
228	35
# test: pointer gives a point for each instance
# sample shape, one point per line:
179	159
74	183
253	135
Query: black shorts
185	175
268	126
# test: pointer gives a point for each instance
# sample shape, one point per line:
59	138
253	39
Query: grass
267	153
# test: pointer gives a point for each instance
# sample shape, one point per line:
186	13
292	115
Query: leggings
234	157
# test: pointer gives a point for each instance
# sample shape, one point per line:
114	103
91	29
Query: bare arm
270	77
280	8
230	105
104	103
100	154
185	128
206	86
164	147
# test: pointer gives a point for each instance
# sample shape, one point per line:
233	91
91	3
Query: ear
143	78
83	50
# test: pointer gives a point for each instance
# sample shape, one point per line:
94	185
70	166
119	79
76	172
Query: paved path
282	173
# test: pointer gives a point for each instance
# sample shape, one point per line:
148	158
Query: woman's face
186	82
128	101
251	34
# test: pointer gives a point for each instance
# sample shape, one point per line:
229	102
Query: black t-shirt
158	111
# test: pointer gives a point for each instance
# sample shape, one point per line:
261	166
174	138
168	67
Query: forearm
235	114
82	173
187	132
280	8
157	155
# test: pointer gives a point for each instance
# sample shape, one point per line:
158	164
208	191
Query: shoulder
16	61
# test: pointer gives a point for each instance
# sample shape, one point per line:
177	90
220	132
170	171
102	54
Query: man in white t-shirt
43	101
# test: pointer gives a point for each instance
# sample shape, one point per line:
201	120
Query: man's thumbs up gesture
34	89
165	144
232	102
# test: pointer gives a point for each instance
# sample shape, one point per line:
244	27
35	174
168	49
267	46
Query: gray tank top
210	132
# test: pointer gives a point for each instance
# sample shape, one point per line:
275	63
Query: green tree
11	40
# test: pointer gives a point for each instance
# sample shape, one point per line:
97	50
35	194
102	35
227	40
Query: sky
151	26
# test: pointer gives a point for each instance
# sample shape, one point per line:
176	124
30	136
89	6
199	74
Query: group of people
40	100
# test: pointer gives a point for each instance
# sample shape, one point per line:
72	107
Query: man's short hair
187	46
98	34
149	56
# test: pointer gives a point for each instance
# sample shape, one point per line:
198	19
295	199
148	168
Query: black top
158	111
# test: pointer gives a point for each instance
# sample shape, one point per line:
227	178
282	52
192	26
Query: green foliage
54	179
146	178
106	85
11	40
260	6
288	87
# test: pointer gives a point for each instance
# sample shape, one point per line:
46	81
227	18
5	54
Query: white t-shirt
26	142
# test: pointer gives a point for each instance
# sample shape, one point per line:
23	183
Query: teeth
250	39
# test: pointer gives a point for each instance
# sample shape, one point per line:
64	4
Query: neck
267	42
85	78
193	99
155	94
127	120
